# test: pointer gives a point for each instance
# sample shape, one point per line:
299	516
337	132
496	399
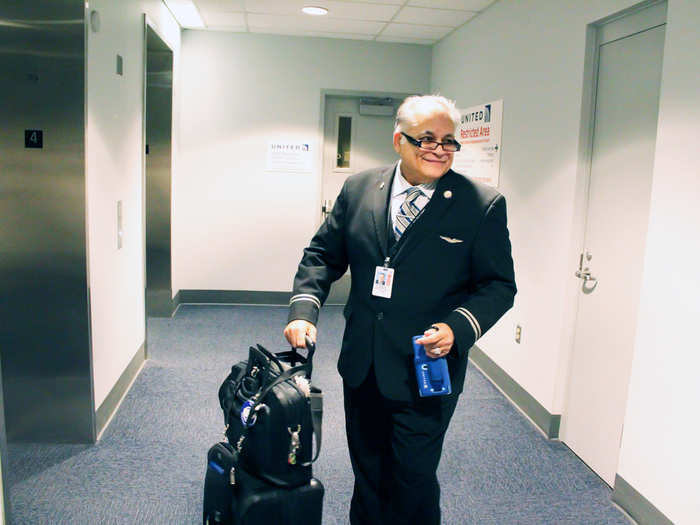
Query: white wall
660	455
236	226
114	172
530	53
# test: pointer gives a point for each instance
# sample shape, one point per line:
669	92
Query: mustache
434	156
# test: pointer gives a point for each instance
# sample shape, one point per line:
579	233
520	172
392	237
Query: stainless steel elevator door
159	108
44	332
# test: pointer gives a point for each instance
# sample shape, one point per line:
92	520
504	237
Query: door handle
326	208
585	275
585	272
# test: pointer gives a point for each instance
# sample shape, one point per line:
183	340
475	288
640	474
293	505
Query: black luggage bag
219	483
271	413
232	496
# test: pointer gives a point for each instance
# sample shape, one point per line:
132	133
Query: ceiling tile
308	23
389	2
322	34
220	5
270	7
359	11
466	5
217	18
433	17
415	31
402	40
227	29
276	7
410	21
351	36
336	9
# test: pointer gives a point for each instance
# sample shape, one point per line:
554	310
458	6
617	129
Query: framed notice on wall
479	133
289	156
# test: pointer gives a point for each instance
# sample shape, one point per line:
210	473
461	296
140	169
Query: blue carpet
148	468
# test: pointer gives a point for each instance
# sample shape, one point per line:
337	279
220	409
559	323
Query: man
443	244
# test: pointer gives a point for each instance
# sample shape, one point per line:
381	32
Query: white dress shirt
399	187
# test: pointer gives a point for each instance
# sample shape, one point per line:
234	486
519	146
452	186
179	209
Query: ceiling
409	21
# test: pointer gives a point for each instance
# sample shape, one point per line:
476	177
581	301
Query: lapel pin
381	186
447	194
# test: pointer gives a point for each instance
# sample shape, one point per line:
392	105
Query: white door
353	142
624	135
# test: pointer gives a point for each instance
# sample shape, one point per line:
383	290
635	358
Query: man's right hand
296	332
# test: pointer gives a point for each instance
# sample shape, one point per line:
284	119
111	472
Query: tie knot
412	193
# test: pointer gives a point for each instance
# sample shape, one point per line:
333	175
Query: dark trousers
395	449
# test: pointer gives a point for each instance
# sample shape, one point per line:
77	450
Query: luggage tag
432	374
383	280
248	419
294	445
249	412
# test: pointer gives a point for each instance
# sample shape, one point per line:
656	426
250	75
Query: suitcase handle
293	356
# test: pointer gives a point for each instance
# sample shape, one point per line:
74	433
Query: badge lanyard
383	275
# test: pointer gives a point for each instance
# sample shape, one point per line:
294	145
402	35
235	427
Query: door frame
149	23
582	195
321	126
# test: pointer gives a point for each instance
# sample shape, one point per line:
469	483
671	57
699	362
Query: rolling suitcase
257	502
232	496
218	485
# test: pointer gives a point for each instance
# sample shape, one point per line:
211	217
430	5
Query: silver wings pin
451	240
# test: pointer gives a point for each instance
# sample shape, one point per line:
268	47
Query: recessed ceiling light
314	10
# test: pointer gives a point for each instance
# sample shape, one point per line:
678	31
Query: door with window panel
353	142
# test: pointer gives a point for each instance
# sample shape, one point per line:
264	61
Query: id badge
383	281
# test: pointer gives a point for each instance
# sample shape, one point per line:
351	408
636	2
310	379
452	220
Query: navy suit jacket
453	265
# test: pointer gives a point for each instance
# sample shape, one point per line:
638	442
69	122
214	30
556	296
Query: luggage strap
316	419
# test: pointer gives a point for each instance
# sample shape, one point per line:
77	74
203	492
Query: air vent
380	107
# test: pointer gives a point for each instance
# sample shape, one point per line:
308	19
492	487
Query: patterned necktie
407	212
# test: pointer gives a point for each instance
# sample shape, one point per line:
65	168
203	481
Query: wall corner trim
636	505
540	416
109	406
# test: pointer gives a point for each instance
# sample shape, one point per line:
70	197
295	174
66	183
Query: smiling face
419	166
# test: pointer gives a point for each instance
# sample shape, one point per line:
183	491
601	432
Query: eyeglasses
448	146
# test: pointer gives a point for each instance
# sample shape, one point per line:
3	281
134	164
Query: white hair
417	108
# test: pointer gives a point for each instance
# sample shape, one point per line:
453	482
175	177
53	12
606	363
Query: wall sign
289	156
479	133
33	138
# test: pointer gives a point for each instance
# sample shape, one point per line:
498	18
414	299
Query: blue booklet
433	375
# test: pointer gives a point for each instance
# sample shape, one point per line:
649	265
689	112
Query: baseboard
111	403
548	423
636	505
160	303
232	297
176	301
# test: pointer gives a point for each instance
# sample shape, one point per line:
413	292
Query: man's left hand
437	343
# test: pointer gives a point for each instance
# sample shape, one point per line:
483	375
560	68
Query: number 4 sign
33	138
